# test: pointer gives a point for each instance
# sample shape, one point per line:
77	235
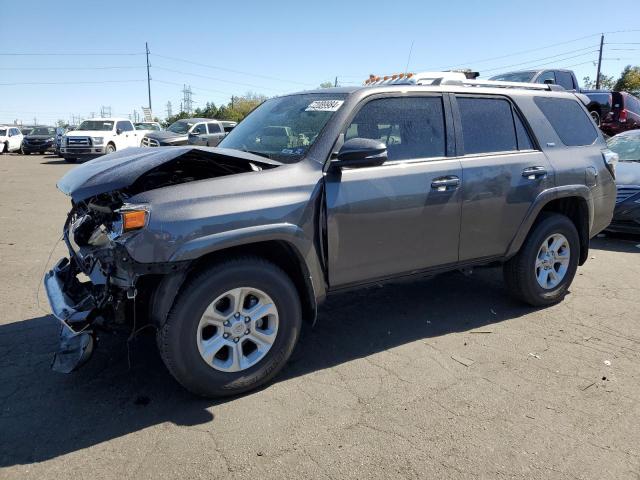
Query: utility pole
599	62
232	101
335	84
148	75
35	121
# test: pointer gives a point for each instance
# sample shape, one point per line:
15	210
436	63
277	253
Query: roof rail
500	84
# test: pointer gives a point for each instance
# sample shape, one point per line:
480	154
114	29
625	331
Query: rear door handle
442	184
532	173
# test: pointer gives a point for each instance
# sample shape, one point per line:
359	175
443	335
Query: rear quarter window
569	120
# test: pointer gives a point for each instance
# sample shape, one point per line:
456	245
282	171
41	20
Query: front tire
110	148
232	327
542	271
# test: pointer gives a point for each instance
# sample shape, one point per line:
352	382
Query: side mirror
548	81
361	152
118	131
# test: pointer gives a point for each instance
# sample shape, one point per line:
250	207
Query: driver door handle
442	184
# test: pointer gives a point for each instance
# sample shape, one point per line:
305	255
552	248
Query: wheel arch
280	252
573	201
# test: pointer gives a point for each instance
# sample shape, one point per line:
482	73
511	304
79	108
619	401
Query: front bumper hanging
72	304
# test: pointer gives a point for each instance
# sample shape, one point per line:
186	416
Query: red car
614	112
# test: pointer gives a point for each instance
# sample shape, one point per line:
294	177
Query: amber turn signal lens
134	219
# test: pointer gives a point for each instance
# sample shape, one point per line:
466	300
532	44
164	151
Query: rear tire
532	266
181	341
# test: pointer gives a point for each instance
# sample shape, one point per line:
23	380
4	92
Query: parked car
177	133
626	216
228	249
211	134
152	126
616	111
39	140
99	136
10	139
565	78
60	131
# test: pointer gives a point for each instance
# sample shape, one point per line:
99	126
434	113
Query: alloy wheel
237	329
552	261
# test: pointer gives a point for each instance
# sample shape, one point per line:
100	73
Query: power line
252	85
540	59
72	83
58	54
464	64
215	67
72	68
196	88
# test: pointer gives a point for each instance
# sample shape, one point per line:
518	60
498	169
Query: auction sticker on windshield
324	106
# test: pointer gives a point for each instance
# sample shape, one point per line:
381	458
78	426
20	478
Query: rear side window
489	125
125	126
569	120
411	127
565	80
632	104
214	128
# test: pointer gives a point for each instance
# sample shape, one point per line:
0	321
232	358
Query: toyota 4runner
226	251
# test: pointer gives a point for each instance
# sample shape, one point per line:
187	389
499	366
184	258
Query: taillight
623	116
610	160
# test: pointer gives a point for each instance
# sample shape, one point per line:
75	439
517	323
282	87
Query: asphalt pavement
441	378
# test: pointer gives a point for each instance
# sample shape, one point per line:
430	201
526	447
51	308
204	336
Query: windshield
26	131
146	126
100	125
627	146
524	77
43	131
3	132
180	127
284	128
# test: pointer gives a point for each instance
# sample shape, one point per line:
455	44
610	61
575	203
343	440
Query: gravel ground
440	378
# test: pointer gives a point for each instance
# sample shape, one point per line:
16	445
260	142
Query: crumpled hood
122	168
628	173
165	135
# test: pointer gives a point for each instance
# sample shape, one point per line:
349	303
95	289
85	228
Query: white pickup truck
100	136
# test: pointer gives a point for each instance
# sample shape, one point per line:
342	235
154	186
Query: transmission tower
169	112
105	111
187	102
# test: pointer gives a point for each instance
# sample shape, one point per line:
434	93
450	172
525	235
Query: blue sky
274	47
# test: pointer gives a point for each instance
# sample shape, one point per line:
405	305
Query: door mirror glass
361	152
118	131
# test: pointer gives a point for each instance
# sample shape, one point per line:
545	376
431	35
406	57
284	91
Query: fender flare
290	234
540	202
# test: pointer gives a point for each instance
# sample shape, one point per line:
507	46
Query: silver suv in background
211	133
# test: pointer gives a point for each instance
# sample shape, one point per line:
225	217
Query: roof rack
422	78
499	84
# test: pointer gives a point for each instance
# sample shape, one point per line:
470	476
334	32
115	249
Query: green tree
606	82
326	85
629	80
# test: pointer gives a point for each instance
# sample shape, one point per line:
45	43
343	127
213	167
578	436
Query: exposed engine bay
98	286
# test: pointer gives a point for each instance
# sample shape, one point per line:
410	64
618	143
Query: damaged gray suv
227	251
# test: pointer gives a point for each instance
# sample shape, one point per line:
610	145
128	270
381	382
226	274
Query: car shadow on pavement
617	242
44	415
54	161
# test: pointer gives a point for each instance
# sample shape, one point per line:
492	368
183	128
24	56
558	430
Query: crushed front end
90	290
